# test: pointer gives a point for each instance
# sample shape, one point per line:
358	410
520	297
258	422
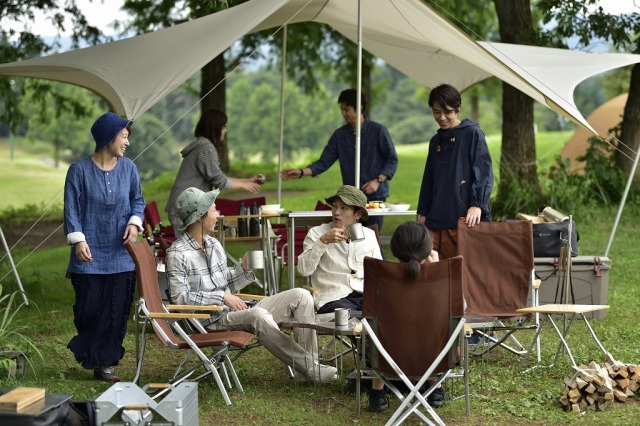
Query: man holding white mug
333	255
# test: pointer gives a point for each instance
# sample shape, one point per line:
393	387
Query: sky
101	13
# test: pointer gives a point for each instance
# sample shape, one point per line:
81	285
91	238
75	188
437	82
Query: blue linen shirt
377	156
98	206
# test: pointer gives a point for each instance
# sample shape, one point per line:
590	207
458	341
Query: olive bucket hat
192	204
351	196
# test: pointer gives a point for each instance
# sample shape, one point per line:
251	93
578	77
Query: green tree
311	49
66	126
587	20
518	152
24	43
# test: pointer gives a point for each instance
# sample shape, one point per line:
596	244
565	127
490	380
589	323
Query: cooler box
589	278
125	403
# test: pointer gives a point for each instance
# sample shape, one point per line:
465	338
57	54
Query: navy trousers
101	310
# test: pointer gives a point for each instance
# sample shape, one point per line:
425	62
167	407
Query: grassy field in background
30	177
502	395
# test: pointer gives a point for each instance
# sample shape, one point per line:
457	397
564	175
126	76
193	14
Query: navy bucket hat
106	128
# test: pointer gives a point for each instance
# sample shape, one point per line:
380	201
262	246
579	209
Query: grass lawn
501	394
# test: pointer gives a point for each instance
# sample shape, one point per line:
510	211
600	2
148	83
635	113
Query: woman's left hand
130	234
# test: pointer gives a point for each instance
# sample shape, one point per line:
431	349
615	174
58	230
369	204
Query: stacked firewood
597	386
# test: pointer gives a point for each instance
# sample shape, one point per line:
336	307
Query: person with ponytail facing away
412	244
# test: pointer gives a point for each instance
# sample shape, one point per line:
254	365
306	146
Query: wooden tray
18	399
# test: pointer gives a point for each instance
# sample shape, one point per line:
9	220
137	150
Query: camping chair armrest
177	315
311	289
246	296
468	331
536	283
210	308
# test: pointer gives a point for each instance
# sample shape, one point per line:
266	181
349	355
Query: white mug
341	316
356	233
255	259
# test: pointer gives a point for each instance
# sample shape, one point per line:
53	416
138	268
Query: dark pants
352	302
101	310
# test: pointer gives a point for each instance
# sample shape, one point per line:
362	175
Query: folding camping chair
152	311
415	328
499	274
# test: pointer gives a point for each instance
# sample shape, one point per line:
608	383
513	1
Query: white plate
278	211
386	209
399	207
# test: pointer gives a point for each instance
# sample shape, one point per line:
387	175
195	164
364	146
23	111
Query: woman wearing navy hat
103	210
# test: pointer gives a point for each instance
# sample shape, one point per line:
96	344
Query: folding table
564	310
270	285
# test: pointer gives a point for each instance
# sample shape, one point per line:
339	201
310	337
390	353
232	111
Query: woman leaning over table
200	167
103	210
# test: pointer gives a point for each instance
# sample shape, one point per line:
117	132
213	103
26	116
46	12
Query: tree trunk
212	74
630	132
518	169
475	107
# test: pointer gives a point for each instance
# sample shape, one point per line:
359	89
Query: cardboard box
589	279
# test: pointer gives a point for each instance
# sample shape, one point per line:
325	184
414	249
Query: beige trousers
263	318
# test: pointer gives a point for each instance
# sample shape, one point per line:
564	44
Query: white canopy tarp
135	73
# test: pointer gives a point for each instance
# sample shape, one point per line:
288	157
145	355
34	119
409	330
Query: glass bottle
243	223
254	222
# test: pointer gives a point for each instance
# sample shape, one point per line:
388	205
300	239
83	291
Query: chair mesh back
498	260
148	286
413	320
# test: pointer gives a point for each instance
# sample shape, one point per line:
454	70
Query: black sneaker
437	397
378	404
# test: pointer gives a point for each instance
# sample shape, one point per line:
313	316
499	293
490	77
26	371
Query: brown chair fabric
149	290
413	320
498	260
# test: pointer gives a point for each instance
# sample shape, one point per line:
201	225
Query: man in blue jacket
378	158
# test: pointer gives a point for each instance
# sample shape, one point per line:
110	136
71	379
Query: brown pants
445	242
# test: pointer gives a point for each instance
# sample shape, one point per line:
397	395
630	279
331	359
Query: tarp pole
13	266
622	202
358	96
282	80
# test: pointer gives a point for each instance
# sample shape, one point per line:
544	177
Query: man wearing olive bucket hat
198	274
333	258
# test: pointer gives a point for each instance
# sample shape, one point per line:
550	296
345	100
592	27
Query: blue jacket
377	156
458	174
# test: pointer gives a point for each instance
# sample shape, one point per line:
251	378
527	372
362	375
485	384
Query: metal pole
358	97
622	202
13	266
11	154
282	80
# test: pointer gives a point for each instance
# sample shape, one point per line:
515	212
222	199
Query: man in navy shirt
378	158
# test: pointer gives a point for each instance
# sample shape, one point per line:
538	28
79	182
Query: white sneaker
321	373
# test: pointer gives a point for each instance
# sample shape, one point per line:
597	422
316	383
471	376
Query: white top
336	269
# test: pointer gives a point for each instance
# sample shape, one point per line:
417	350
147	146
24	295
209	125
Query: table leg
291	251
562	337
270	282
